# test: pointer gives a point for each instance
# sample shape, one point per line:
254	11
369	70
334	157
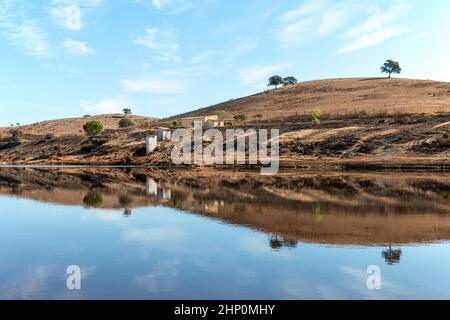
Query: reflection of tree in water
277	242
316	213
392	256
93	199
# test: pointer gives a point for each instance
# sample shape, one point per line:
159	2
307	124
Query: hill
339	97
74	126
376	123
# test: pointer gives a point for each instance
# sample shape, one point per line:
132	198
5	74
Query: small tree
93	128
290	80
125	123
16	135
275	81
390	67
126	111
315	116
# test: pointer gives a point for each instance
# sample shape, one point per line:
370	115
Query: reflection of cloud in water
358	284
31	284
163	279
102	215
155	235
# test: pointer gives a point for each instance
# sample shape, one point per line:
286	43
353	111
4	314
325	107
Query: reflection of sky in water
158	252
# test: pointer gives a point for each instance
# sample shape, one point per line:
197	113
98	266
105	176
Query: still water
176	235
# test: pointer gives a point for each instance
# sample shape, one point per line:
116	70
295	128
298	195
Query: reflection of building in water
153	189
163	194
213	207
277	242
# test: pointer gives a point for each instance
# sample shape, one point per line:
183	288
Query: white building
207	121
152	143
163	134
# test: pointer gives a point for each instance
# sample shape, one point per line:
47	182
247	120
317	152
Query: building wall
151	143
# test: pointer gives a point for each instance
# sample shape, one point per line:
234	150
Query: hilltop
339	97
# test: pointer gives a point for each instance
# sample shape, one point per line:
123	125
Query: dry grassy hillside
74	126
340	97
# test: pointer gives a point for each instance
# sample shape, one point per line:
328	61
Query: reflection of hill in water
339	208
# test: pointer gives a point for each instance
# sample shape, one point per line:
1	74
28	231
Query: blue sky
67	58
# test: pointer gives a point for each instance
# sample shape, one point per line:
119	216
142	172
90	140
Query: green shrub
240	117
93	200
315	116
16	135
99	141
125	123
93	128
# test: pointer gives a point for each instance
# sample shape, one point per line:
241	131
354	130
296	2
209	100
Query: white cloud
69	16
377	28
154	235
258	73
77	47
104	107
372	39
18	28
331	21
171	6
162	43
201	57
311	19
155	85
426	34
304	9
297	31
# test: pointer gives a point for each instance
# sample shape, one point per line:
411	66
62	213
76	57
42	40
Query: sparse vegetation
315	116
240	117
125	123
99	141
49	136
126	111
173	124
16	135
390	67
220	113
93	128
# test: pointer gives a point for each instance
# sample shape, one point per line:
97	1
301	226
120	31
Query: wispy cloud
372	39
155	85
77	47
104	106
162	43
169	6
306	8
258	73
380	26
68	16
311	19
68	13
17	27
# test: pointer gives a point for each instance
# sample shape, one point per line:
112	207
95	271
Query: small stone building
207	121
163	134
